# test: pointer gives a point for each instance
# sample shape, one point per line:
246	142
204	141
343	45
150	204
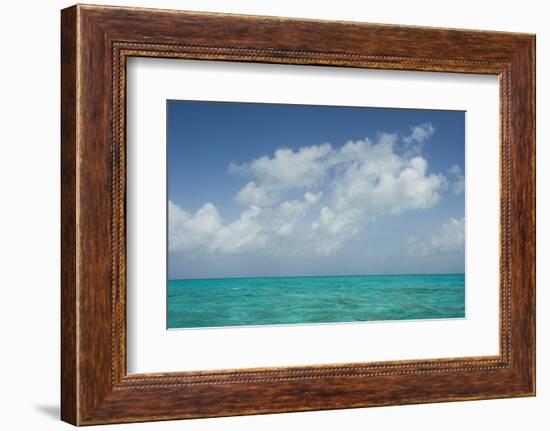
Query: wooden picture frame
95	43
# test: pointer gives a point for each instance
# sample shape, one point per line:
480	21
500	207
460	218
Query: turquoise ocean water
293	300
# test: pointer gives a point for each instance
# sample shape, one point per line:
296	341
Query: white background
151	348
29	228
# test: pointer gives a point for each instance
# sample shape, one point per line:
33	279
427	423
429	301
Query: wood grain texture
96	41
69	366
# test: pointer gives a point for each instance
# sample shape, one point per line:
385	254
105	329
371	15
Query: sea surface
294	300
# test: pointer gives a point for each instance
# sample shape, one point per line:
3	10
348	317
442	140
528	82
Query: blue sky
276	190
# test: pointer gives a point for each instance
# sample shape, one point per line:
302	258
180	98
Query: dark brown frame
95	42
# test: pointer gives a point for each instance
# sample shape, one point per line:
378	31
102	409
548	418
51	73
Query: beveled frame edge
96	41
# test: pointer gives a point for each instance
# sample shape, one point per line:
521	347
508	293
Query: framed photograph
265	215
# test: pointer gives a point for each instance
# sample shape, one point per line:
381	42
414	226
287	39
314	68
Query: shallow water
292	300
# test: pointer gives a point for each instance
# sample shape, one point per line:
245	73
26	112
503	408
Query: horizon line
311	276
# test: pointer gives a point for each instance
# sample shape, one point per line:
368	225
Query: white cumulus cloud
205	230
459	183
419	134
287	169
449	238
253	194
314	199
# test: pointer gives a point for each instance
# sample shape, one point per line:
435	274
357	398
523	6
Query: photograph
285	214
275	215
